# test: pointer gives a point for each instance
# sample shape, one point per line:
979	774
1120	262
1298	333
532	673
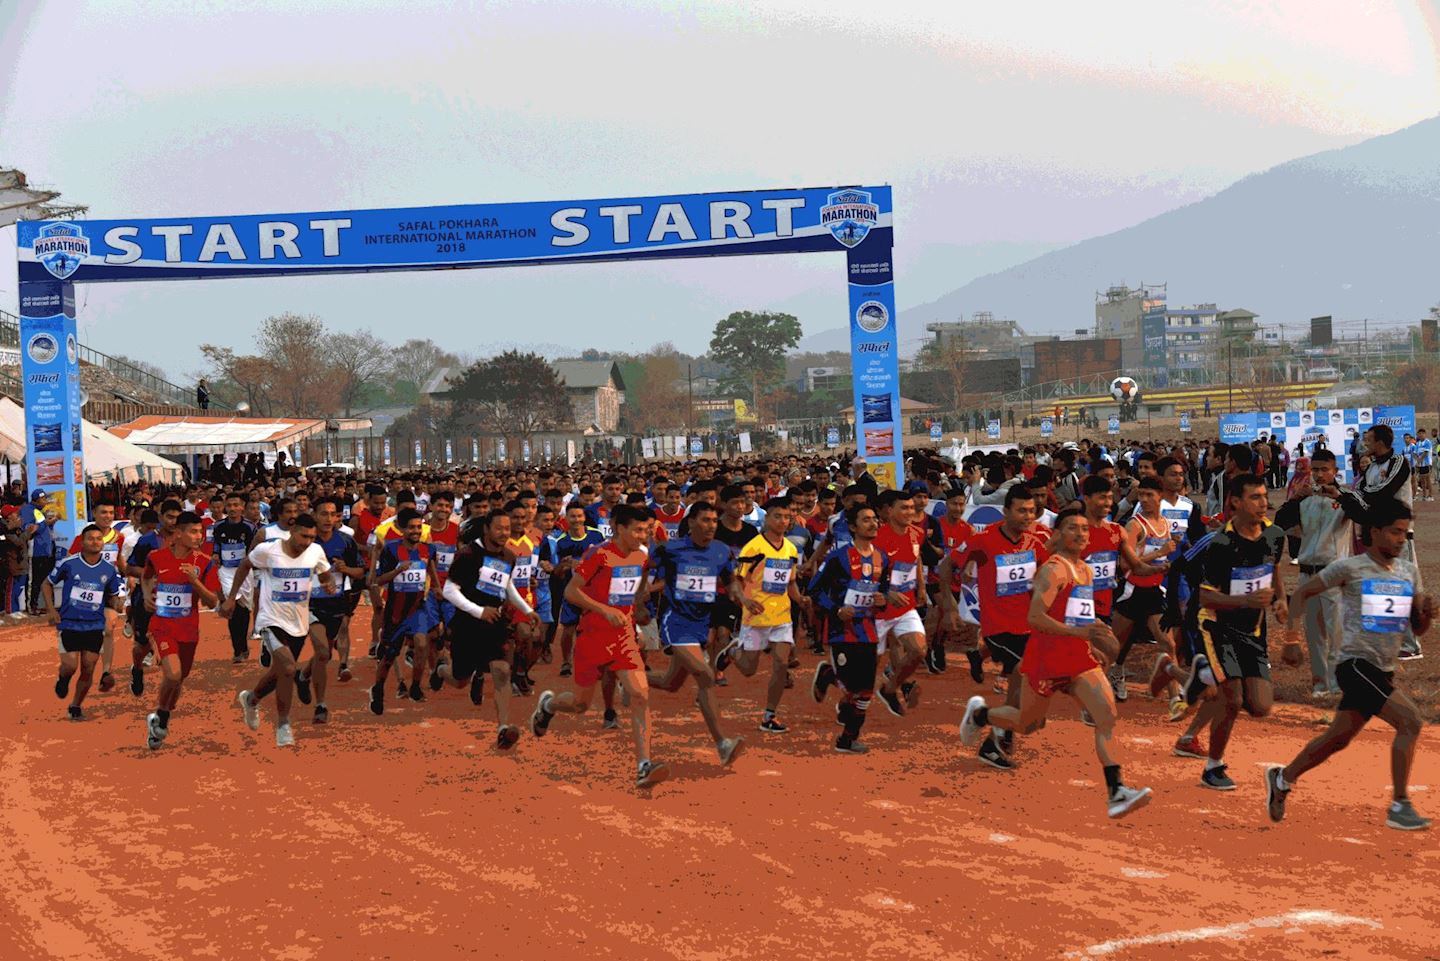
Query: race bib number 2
1385	605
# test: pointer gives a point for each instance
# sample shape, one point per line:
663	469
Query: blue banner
1184	423
449	452
525	451
875	349
500	449
935	432
697	447
419	454
832	437
474	450
466	235
50	371
1047	426
548	446
992	429
1114	426
386	451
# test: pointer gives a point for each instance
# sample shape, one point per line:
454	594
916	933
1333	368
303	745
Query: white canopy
107	457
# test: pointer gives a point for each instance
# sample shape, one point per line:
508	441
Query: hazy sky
1021	124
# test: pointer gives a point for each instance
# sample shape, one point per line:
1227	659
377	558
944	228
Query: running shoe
436	681
249	710
415	693
726	655
322	714
651	774
729	749
999	687
1410	651
772	725
239	658
62	685
477	688
610	721
824	677
128	630
721	680
937	650
409	657
892	702
547	654
343	674
1127	799
970	731
137	681
1190	746
1178	709
1274	794
991	754
977	666
541	717
507	738
377	698
75	713
1160	677
264	657
1086	718
845	745
1006	741
107	682
1119	686
910	691
149	660
1216	779
565	669
154	731
930	665
794	661
284	737
789	679
1402	817
401	689
1194	687
302	687
1319	691
374	649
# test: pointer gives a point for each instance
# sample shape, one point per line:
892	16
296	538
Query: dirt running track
408	837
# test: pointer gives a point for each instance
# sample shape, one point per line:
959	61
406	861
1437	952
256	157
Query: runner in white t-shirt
284	569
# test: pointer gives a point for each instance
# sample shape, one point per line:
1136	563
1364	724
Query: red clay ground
407	836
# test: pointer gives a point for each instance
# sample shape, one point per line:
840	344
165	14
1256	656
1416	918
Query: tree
512	394
1418	383
416	359
302	375
361	360
237	377
754	345
656	401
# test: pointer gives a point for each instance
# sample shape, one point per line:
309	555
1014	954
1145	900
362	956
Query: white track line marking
1142	873
998	838
767	773
1235	931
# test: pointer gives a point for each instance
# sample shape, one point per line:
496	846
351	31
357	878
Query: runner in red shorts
603	590
1060	659
176	580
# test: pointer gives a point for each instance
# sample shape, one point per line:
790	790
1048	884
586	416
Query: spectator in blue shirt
39	526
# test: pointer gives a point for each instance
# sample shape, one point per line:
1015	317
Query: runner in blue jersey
690	574
87	584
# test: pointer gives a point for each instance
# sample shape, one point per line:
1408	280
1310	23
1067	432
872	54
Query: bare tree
417	359
360	361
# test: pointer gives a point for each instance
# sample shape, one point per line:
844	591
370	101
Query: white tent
107	457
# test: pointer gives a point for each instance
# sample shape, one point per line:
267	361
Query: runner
145	537
232	537
1239	582
850	587
444	542
565	552
603	588
404	572
1006	556
175	577
764	588
691	573
1378	601
735	534
286	569
1424	458
901	541
111	541
329	610
1060	658
478	587
947	532
1143	600
89	585
524	548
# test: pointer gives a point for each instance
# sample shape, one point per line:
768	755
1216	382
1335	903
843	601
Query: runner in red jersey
901	542
1060	658
946	533
1143	601
364	521
670	512
1006	556
444	542
603	589
177	578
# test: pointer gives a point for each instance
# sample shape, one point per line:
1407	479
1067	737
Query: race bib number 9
173	600
1385	605
776	575
1080	606
1102	566
1014	572
623	583
1249	580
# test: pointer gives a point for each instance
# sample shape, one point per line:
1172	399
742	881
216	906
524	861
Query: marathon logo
849	214
61	248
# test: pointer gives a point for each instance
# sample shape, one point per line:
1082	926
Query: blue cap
37	492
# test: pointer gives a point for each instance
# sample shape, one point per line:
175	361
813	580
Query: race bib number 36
1102	565
1014	572
1385	605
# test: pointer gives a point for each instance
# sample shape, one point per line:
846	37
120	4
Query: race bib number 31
1249	580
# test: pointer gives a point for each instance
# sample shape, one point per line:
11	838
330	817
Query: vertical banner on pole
360	454
832	437
570	453
1047	426
525	451
1113	427
449	452
854	217
474	450
297	455
548	446
385	453
1184	423
50	369
419	453
500	450
935	432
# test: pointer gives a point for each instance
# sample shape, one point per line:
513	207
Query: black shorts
1422	470
273	638
472	650
330	618
1233	654
726	614
351	601
139	616
1007	650
1363	686
77	642
855	663
1142	602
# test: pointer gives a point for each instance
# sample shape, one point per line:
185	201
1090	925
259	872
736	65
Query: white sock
1207	677
1398	803
1280	781
1211	764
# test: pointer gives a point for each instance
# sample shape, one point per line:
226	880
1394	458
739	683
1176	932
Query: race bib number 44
1014	572
1385	605
494	577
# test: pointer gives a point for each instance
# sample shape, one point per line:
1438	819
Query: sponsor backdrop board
1336	428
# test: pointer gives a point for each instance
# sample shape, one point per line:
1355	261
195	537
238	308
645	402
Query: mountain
1353	232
